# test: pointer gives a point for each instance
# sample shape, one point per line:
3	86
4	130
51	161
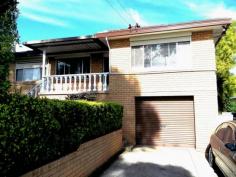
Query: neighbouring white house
164	76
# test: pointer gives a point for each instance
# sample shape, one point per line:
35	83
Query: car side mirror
231	146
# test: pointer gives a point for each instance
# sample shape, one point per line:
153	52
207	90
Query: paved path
160	162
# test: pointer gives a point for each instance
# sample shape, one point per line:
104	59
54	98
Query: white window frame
27	66
161	41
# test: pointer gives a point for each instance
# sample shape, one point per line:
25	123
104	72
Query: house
165	76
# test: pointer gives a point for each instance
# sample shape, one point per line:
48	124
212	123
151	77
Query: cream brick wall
203	55
85	160
199	82
120	59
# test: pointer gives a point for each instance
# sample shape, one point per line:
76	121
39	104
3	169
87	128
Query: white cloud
210	10
222	11
60	12
137	17
43	19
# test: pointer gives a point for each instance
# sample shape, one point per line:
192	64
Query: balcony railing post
105	82
84	83
66	85
75	81
94	82
56	84
61	86
100	83
89	86
70	83
79	83
52	83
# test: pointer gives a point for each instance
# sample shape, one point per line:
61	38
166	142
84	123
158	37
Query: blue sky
46	19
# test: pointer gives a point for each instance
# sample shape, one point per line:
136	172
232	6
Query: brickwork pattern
202	35
85	160
119	43
97	63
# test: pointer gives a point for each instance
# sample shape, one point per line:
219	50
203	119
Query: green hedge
36	131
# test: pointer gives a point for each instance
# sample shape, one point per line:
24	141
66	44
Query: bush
36	131
232	106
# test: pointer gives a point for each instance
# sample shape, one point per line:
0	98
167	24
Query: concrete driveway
160	162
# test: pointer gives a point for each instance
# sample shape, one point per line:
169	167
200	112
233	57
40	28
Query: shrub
36	131
232	106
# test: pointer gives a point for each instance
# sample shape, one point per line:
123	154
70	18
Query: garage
165	121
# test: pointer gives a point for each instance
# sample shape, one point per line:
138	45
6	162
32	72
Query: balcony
75	83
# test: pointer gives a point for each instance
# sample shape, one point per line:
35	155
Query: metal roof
97	42
165	28
72	44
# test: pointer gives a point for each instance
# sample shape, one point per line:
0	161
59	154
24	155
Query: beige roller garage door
165	121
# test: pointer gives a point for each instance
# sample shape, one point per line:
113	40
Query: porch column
43	69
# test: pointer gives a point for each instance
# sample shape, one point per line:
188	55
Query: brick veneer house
165	76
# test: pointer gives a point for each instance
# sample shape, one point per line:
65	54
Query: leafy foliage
225	57
8	36
36	131
232	106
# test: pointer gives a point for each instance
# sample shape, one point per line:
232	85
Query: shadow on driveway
145	170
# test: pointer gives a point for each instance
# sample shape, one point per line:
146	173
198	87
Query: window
73	66
161	55
28	72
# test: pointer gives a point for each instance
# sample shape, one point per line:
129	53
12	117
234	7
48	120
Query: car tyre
211	158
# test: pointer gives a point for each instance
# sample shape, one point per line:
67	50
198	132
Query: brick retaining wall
85	160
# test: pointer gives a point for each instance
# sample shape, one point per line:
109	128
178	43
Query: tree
8	37
225	61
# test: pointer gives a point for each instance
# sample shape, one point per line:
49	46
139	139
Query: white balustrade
74	83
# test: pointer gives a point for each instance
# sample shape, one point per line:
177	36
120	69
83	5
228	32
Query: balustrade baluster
75	82
79	83
94	82
89	86
85	83
105	83
61	78
100	83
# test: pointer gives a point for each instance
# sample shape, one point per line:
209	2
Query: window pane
60	67
86	65
67	68
31	74
36	74
164	50
172	47
147	56
73	66
157	60
19	75
28	74
161	55
137	56
172	60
